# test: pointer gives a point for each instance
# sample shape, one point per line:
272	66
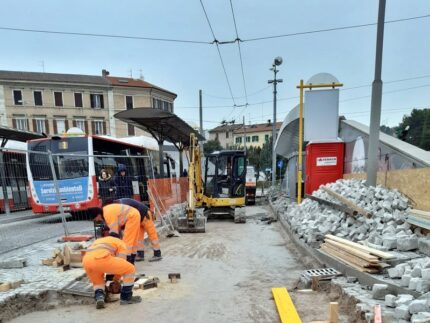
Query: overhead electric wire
215	41
72	33
240	52
332	29
236	97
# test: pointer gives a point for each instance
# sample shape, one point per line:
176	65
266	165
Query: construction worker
118	218
104	256
146	225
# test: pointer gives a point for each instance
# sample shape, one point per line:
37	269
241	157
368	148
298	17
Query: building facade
52	103
224	134
255	135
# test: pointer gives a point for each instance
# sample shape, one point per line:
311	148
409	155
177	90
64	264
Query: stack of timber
65	259
419	218
355	255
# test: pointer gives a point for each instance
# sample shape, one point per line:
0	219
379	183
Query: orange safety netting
165	192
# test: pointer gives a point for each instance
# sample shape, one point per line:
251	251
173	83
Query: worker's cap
94	212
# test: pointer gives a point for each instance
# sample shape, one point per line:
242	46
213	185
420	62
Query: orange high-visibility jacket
106	246
117	215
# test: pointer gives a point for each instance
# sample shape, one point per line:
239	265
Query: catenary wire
219	53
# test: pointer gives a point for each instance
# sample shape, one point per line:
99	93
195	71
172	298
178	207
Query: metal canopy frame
162	125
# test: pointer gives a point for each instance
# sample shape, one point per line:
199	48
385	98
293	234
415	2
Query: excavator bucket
192	223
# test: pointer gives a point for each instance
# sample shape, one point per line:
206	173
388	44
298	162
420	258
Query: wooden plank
420	213
4	287
335	206
372	251
67	251
347	202
333	312
349	259
286	309
358	253
377	318
367	270
358	261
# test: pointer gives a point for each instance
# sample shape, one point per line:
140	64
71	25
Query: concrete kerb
325	260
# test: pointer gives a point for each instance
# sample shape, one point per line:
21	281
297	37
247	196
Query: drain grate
321	272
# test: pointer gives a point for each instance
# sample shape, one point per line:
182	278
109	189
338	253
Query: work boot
157	256
99	296
127	297
140	256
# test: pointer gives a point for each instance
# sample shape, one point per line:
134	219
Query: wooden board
372	251
348	258
358	253
286	309
367	270
347	202
356	260
67	253
333	205
333	312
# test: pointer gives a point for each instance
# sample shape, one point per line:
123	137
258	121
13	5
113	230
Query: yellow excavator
221	192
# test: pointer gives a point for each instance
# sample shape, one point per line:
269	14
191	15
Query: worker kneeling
102	258
146	225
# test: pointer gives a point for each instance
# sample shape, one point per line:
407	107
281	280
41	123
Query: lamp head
277	61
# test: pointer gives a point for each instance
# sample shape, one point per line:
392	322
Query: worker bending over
120	217
146	225
104	257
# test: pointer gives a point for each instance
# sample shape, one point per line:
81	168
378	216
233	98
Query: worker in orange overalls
146	225
104	256
120	217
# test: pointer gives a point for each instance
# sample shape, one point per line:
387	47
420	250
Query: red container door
324	164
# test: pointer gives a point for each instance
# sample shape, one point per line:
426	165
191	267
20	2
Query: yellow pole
299	163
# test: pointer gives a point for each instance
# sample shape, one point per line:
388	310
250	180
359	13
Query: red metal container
324	164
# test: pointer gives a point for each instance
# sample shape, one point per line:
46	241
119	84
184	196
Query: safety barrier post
57	193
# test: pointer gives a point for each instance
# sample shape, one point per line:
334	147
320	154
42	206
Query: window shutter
46	126
102	105
14	123
28	124
74	123
34	125
66	124
86	127
93	128
104	127
54	123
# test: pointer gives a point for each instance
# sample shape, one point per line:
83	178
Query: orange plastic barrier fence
165	192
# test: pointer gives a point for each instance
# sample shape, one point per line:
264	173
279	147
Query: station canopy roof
162	125
7	133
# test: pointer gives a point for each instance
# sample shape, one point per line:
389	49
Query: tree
211	145
387	130
415	128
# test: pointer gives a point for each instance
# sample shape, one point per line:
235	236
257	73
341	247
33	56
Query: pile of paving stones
385	230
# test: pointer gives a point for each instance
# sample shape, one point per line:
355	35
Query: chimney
105	73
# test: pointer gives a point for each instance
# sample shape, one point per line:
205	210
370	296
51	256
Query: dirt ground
227	276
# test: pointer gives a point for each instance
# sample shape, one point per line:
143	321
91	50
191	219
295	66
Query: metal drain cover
321	272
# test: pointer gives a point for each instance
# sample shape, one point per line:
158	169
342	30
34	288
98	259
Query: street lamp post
276	62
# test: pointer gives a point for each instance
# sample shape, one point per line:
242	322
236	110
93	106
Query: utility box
324	164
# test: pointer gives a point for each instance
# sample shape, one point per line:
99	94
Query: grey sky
186	68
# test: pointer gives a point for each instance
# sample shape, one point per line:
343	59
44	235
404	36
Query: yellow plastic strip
286	309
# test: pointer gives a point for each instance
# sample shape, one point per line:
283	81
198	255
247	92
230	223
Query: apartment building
51	103
224	134
255	135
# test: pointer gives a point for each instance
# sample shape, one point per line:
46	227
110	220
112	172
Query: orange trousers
96	268
147	225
